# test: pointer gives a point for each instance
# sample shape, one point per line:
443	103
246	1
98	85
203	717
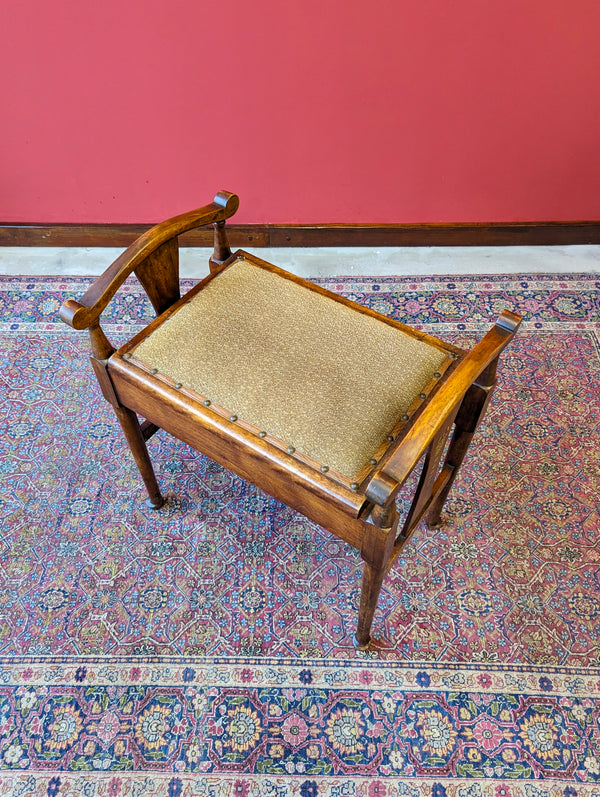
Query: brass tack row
390	437
262	434
291	449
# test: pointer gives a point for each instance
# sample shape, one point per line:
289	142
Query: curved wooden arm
387	480
85	312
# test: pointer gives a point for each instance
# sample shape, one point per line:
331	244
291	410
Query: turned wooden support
102	348
221	248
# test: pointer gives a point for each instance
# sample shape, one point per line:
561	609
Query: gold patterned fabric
320	376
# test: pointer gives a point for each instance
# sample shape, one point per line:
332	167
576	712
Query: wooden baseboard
250	235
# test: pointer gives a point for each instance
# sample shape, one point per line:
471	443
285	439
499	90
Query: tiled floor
331	261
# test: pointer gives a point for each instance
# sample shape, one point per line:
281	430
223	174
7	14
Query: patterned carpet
205	649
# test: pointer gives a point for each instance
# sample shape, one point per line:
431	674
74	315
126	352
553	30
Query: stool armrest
395	469
85	312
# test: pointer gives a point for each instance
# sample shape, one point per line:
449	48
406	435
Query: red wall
313	111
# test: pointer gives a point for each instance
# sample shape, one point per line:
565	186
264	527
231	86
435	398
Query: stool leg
137	444
379	536
369	595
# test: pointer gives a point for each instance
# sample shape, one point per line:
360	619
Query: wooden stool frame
363	514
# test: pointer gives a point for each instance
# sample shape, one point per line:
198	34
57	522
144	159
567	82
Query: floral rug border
42	784
295	673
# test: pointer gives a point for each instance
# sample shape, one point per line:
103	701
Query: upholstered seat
325	404
308	370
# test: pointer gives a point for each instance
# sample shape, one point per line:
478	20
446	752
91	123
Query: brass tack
127	356
372	461
233	418
206	402
354	486
290	449
262	434
324	468
405	417
437	375
178	385
390	438
154	371
422	395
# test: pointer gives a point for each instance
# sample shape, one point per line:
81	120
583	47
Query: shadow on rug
100	598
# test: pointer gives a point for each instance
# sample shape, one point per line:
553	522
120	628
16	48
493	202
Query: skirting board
272	235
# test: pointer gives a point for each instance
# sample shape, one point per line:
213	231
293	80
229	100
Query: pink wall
313	111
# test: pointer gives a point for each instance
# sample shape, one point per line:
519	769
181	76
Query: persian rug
206	648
